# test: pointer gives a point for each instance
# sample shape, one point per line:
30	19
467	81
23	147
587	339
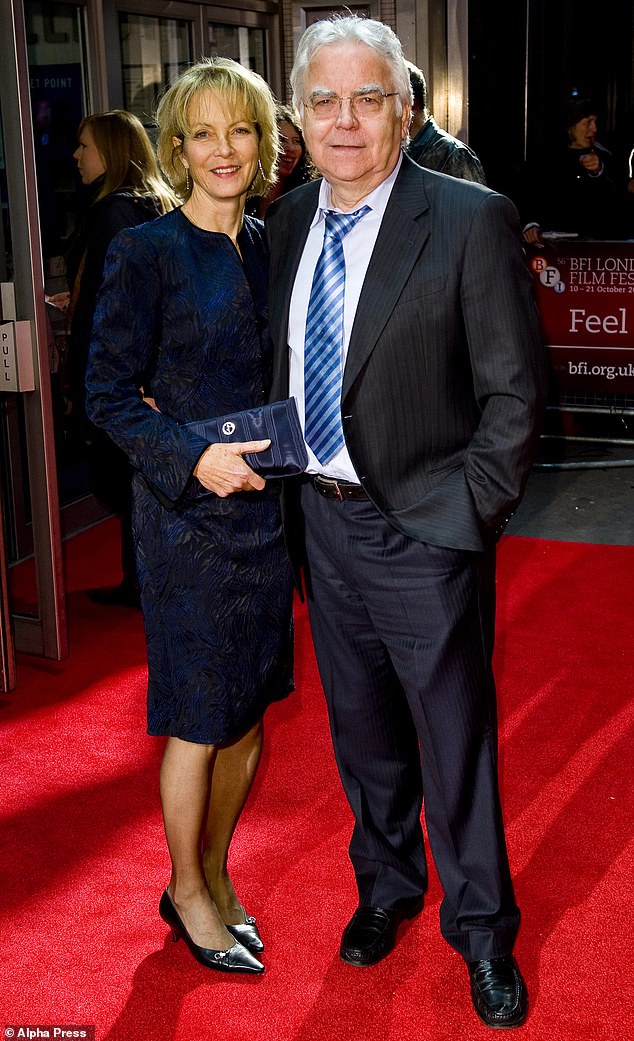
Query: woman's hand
533	234
59	300
221	468
591	162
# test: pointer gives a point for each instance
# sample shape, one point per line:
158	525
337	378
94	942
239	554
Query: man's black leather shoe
498	991
371	932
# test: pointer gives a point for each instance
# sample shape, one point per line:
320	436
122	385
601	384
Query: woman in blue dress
180	334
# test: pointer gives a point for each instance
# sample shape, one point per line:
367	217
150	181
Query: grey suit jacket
445	377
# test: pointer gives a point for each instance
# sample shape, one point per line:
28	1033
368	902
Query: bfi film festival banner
585	293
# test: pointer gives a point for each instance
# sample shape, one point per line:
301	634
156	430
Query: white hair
355	30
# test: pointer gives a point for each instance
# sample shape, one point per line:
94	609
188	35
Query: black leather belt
331	488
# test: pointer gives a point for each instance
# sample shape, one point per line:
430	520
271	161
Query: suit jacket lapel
291	238
404	230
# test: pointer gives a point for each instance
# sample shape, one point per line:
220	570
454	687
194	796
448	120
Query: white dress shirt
358	245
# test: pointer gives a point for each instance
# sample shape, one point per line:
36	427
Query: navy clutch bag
277	422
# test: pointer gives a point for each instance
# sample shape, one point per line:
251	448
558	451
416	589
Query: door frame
45	633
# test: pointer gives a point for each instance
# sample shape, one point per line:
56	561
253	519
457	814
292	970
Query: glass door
32	612
245	44
62	91
154	51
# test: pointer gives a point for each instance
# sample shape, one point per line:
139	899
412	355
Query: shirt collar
377	200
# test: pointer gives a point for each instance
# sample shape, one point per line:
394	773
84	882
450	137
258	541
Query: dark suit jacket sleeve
507	357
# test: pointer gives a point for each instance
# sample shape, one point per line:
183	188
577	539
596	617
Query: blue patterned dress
182	315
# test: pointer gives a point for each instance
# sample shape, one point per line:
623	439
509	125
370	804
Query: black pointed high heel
247	934
235	959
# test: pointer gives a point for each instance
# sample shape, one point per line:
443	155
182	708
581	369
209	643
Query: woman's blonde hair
128	156
243	92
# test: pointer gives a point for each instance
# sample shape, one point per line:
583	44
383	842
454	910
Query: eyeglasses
366	104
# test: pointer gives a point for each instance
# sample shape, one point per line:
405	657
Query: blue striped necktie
323	348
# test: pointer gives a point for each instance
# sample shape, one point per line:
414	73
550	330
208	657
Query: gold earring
186	178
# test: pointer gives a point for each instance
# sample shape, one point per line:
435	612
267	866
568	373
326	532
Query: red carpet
84	863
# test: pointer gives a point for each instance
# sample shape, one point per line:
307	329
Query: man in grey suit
402	295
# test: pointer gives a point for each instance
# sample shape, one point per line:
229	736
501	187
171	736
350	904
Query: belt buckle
330	483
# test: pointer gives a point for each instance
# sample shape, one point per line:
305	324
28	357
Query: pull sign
16	357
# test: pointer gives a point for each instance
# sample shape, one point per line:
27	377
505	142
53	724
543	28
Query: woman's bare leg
186	773
233	775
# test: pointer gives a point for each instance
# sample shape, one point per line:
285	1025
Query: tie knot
339	224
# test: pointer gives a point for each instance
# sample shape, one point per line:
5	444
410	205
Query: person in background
294	165
432	147
573	188
118	167
183	314
405	326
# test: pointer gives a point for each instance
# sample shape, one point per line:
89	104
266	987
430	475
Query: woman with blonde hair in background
117	164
